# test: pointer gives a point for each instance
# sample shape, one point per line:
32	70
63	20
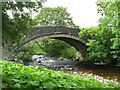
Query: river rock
37	58
78	57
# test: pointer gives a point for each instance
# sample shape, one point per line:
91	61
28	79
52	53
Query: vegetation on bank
103	41
17	23
19	76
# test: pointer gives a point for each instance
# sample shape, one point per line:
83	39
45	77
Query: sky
84	12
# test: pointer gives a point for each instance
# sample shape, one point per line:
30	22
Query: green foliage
96	42
25	54
88	33
68	52
57	48
54	16
111	23
20	76
16	25
104	41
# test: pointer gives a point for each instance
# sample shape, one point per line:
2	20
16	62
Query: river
101	72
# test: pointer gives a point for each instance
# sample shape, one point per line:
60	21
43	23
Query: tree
54	16
96	42
16	25
104	41
111	23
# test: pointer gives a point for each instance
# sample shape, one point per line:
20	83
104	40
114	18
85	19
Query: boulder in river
37	58
52	62
78	57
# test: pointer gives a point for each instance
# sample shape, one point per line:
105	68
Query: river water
101	72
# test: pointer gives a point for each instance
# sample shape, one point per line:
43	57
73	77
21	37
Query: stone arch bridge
69	35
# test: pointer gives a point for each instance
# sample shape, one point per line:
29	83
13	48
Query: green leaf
34	83
17	85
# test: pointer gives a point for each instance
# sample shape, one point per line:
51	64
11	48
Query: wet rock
37	57
78	57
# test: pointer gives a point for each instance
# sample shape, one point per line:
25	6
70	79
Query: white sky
84	12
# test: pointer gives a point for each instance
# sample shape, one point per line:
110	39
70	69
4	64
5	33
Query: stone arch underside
67	34
74	41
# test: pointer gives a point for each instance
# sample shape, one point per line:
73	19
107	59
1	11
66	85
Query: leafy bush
20	76
68	52
96	42
24	54
57	48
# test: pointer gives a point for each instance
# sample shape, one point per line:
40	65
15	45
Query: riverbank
19	76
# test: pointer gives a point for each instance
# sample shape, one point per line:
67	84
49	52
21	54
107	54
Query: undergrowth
19	76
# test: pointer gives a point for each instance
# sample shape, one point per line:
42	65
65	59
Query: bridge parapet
46	30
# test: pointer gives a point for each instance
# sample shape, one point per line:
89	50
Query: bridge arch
69	35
